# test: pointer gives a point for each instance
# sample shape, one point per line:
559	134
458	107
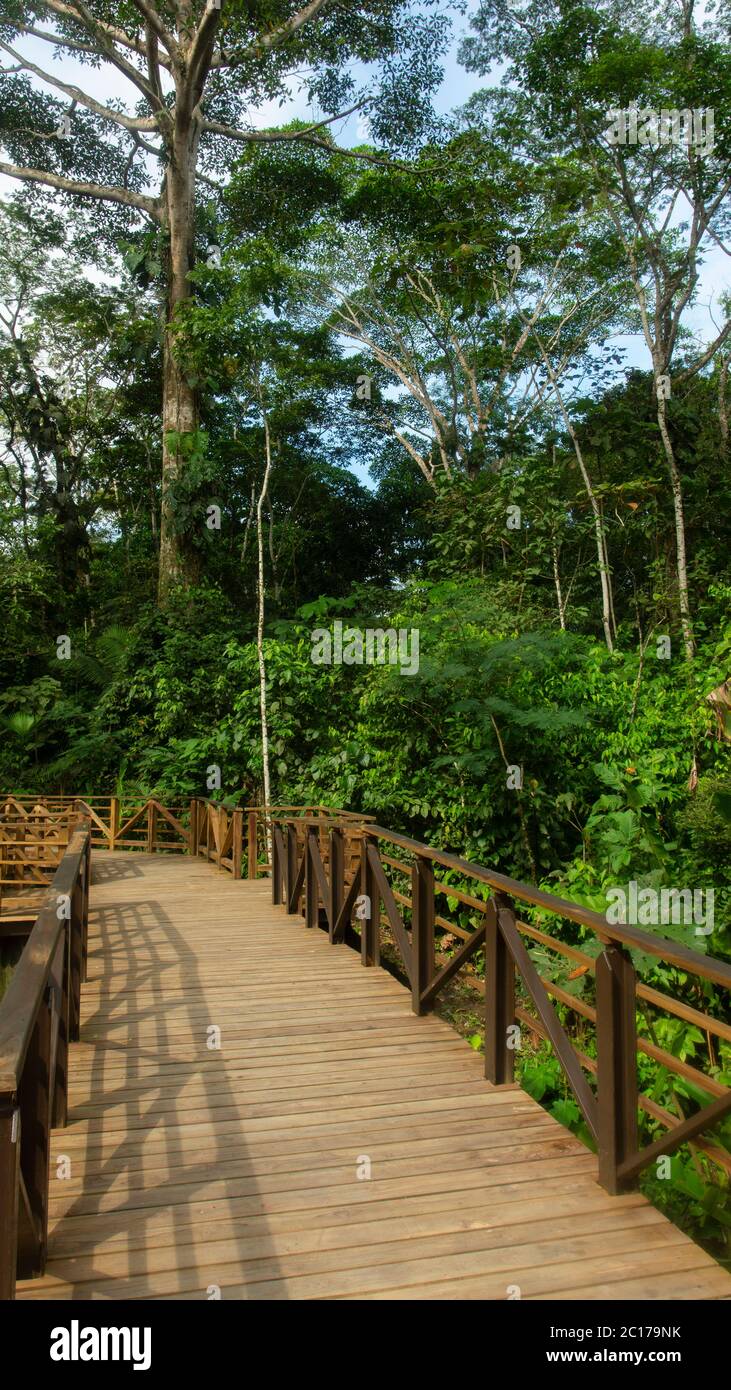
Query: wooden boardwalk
244	1169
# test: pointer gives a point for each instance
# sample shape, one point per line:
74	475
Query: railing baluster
337	876
311	888
251	846
276	868
292	905
284	863
151	827
422	930
499	994
370	924
617	1091
237	842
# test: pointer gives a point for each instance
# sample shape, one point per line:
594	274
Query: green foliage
695	1192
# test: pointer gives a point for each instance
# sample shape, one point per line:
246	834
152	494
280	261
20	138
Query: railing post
422	930
311	889
337	876
114	822
221	818
35	1135
284	864
151	827
277	869
499	994
370	923
251	845
9	1194
16	869
237	842
291	868
616	1035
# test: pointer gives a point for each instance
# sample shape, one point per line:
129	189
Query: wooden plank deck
242	1169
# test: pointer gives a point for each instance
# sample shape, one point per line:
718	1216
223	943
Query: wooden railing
356	879
356	911
133	823
33	840
239	839
39	1017
234	838
126	822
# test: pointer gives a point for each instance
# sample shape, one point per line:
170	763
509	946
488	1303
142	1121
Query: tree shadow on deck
165	1151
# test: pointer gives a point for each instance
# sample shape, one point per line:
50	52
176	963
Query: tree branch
106	42
201	49
109	30
84	190
232	133
153	65
275	36
151	17
706	357
303	137
56	39
76	94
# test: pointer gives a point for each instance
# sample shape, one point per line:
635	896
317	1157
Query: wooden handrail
233	837
39	1016
717	971
298	869
20	1005
146	824
31	846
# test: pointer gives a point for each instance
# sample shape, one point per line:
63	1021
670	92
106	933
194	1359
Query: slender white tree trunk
676	485
261	594
601	541
559	591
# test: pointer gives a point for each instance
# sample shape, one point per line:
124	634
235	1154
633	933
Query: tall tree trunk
612	615
681	564
178	560
601	540
260	620
722	404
